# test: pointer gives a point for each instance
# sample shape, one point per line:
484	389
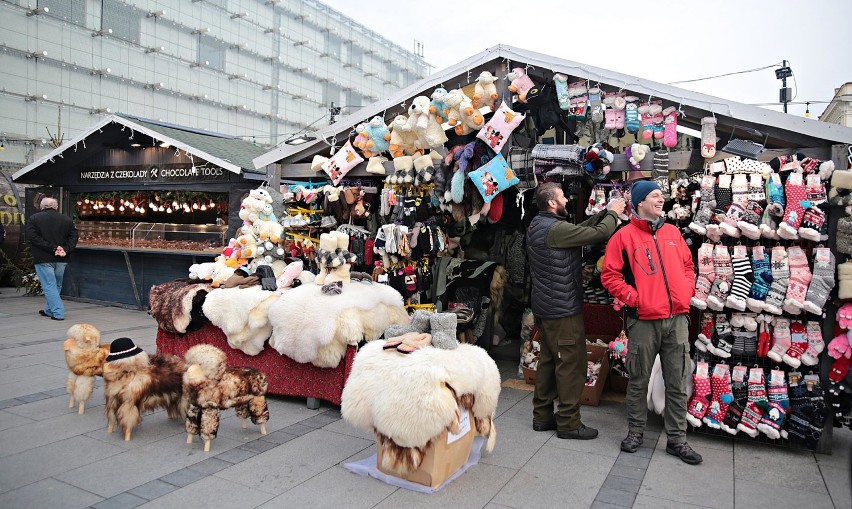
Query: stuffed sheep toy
428	130
402	142
201	270
485	91
438	106
463	115
378	137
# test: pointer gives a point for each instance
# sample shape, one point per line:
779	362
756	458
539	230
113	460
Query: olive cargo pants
561	373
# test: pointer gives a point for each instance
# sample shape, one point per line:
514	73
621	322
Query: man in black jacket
52	236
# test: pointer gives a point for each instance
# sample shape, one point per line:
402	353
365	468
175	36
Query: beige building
839	110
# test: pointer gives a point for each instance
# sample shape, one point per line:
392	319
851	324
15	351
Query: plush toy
438	106
201	270
402	142
360	142
520	83
485	91
598	160
424	124
253	205
634	154
268	214
618	347
463	115
248	244
220	273
378	137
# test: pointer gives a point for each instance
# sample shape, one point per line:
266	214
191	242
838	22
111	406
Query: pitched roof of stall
232	154
782	128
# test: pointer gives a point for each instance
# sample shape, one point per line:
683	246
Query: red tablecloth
286	376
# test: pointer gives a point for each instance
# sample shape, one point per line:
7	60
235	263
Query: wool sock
756	405
660	172
706	276
745	341
724	338
771	422
813	220
732	216
743	279
670	127
798	428
724	274
595	104
720	382
794	188
443	329
705	337
708	137
706	205
739	390
780	279
724	194
631	109
815	344
800	278
822	281
780	339
798	344
775	195
560	83
701	392
761	281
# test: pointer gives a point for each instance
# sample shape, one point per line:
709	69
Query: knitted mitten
706	205
743	279
780	339
822	281
780	278
815	344
739	390
701	392
757	403
724	274
706	276
724	338
705	337
794	188
720	382
800	278
771	422
798	344
762	279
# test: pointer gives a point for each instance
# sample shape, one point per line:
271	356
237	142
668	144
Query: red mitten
839	369
840	347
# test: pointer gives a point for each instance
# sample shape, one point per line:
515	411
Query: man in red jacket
648	267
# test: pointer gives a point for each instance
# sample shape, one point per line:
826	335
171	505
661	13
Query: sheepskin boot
443	330
419	323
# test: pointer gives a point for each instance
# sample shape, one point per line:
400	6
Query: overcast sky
663	40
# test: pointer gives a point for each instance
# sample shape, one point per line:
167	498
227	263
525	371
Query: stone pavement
51	457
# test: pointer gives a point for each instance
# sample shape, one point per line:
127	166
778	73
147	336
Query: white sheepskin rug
242	314
411	399
311	327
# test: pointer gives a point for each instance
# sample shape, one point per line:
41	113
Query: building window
124	21
332	45
211	51
330	93
69	10
354	100
356	56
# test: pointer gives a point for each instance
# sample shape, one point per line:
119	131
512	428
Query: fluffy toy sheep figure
520	83
248	245
85	359
378	137
438	105
360	141
210	386
402	142
253	205
485	91
463	115
222	270
203	271
424	124
267	230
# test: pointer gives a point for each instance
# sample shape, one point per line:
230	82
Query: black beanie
122	348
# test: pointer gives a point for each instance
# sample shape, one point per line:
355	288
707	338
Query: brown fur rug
176	305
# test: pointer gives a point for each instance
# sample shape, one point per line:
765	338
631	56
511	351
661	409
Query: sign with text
152	174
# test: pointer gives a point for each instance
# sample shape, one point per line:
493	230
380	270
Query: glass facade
253	68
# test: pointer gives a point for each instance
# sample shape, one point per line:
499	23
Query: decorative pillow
496	132
341	162
493	177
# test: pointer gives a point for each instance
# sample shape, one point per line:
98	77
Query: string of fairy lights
135	204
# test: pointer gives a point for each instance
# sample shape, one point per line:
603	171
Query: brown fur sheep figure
85	358
135	383
210	386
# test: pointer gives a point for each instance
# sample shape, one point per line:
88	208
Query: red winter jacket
651	272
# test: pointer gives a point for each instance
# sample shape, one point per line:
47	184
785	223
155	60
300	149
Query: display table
286	376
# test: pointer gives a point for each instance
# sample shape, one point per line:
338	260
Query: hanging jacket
650	270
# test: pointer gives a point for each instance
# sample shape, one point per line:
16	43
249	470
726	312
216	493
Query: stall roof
784	130
232	154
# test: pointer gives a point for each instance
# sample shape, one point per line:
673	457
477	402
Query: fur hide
428	389
311	327
85	359
176	305
138	384
210	386
241	313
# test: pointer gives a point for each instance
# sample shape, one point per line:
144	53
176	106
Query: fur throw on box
176	305
312	327
241	313
408	400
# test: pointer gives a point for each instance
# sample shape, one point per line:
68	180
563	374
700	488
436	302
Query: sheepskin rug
242	314
311	327
410	399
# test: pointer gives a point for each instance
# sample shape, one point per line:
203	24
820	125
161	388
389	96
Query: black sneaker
44	313
632	442
544	426
684	452
582	433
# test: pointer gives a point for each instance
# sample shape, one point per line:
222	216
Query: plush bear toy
485	91
520	83
438	106
267	230
424	124
253	205
463	115
378	137
402	142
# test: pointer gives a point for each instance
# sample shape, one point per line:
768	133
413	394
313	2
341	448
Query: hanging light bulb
110	207
86	201
121	208
169	210
195	206
203	207
79	203
212	203
160	208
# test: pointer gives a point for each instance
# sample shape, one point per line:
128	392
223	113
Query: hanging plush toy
378	137
424	124
438	106
402	142
360	142
485	91
463	115
520	83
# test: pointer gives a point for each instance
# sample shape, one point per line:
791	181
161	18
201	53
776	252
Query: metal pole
784	85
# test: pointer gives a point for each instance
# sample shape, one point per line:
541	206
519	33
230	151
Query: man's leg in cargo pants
563	357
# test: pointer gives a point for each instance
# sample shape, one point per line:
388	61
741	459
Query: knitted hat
641	189
122	348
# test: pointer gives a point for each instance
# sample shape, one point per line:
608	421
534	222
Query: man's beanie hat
122	348
640	190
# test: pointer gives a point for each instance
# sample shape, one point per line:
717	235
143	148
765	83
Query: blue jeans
50	276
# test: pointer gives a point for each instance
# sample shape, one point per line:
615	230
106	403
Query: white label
464	424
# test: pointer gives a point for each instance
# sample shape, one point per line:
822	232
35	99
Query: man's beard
561	211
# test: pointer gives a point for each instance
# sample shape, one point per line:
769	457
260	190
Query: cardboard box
529	375
592	393
618	383
446	454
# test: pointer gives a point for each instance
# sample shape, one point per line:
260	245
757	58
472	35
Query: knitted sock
743	279
595	104
706	205
706	276
815	344
648	121
763	337
724	274
705	337
720	382
597	201
723	193
670	127
733	215
813	223
798	344
708	137
780	339
773	419
800	278
660	172
780	278
745	341
658	121
794	188
762	279
724	338
631	109
757	403
701	392
443	329
775	195
739	189
739	390
798	429
822	281
749	224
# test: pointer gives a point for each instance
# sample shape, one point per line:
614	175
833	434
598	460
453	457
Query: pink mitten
670	127
839	347
844	316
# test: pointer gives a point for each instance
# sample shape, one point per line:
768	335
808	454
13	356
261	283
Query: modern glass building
250	68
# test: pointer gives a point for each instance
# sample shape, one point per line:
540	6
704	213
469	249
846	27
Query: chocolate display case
152	236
